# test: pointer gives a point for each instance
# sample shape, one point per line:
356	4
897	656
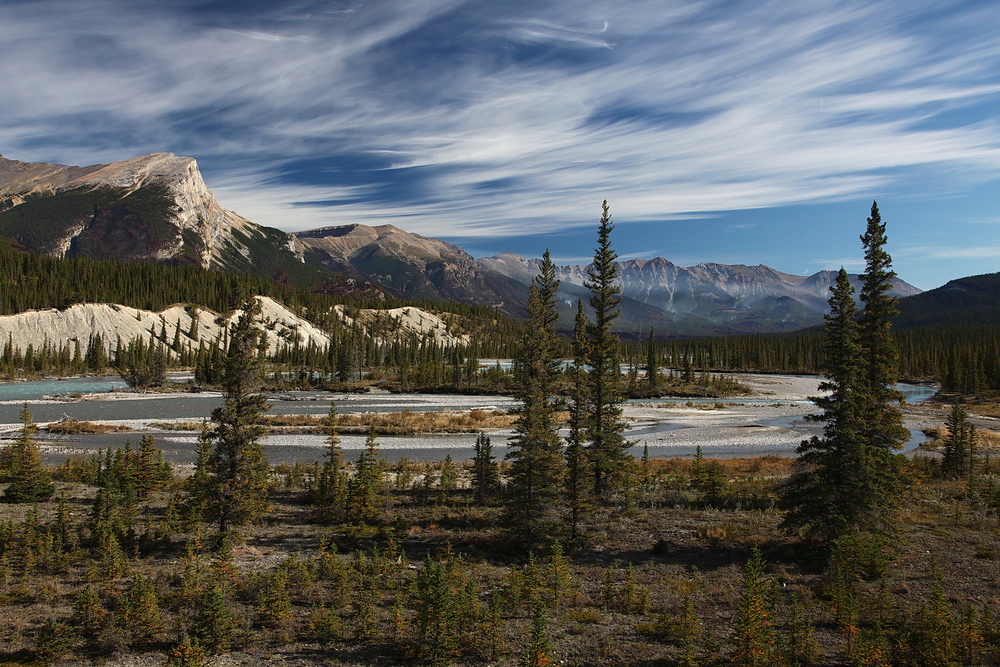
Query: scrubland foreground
686	567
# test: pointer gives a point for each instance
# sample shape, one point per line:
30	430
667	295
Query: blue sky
754	132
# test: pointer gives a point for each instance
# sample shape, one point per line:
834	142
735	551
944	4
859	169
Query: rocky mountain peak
348	242
195	213
410	264
713	297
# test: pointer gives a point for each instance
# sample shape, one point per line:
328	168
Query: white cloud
705	107
849	263
950	252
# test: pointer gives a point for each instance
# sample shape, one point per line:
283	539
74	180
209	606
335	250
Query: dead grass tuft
77	427
406	422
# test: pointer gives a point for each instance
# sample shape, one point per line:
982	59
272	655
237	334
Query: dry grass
176	426
407	422
768	466
986	439
77	427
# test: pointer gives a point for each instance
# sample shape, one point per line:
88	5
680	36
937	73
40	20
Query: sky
739	132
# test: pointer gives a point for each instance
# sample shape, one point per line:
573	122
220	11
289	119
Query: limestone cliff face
203	231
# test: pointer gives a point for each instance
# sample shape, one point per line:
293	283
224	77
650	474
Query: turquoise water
17	391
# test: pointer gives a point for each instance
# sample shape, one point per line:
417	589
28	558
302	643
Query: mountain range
158	207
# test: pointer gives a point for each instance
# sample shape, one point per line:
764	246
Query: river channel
669	427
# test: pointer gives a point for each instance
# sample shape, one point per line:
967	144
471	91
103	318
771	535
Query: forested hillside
971	300
32	281
42	221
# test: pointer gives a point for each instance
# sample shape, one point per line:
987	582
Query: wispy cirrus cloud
952	252
479	119
849	263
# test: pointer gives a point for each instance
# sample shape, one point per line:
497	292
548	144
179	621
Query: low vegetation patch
77	427
406	422
986	439
661	574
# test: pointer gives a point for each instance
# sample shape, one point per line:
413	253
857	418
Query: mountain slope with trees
972	300
411	265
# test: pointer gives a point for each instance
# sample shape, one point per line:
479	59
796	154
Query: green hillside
971	300
118	222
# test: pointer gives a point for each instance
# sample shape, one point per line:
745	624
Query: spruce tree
880	476
577	485
366	485
151	470
853	479
821	496
137	612
329	495
958	444
239	472
30	483
652	364
537	651
882	422
485	476
605	426
89	616
199	484
186	654
141	365
753	637
535	450
437	619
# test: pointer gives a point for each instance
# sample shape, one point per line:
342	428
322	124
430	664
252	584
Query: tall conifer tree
879	473
578	484
607	446
959	443
239	479
365	487
882	424
854	477
330	492
652	363
820	497
485	475
536	449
